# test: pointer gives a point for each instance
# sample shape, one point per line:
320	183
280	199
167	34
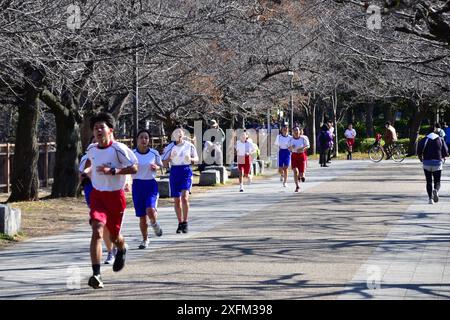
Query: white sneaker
431	201
111	256
157	229
144	244
284	184
249	180
241	188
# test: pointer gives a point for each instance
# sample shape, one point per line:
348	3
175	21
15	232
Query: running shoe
185	227
281	179
144	244
96	282
119	263
435	195
297	189
249	180
303	179
180	227
157	229
431	201
241	188
111	256
284	184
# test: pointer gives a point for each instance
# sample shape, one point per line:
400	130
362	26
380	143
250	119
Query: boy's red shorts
350	142
299	161
108	207
244	164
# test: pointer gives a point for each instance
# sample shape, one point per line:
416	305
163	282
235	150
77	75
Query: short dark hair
142	131
387	123
103	117
437	125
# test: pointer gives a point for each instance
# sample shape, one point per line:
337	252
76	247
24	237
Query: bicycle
377	152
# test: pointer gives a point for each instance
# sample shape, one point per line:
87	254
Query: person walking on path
110	161
331	148
325	140
299	146
431	151
244	150
180	155
283	141
350	135
86	183
145	188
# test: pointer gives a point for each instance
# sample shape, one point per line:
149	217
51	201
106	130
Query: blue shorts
284	158
145	195
87	192
180	179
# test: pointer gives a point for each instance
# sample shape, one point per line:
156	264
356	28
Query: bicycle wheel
398	154
376	154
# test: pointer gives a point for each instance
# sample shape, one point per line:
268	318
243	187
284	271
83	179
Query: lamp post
291	102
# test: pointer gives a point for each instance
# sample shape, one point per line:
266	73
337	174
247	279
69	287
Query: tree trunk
422	111
25	176
311	126
388	113
68	150
370	130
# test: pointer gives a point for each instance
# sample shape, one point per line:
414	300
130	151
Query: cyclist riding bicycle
390	137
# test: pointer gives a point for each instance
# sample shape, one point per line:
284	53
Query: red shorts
108	207
299	161
350	142
244	164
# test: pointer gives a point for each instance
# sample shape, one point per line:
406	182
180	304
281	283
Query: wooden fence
46	162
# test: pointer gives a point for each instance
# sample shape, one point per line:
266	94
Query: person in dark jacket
431	151
325	140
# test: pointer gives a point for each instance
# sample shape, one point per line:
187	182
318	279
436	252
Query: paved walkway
357	230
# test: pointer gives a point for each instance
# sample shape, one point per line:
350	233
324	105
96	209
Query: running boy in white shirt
87	188
283	141
299	145
350	135
244	149
180	154
145	187
110	161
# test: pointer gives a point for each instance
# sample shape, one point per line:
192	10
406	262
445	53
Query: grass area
55	216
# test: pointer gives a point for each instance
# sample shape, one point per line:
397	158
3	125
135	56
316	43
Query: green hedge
365	144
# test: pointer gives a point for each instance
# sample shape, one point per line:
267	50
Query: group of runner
104	170
292	149
107	163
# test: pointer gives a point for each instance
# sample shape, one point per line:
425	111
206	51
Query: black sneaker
303	179
185	227
96	282
435	195
180	227
119	263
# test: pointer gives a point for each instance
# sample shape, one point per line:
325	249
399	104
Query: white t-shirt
301	142
82	165
180	154
117	155
349	134
145	160
283	142
244	148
